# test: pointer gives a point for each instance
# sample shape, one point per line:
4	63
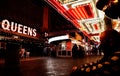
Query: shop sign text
18	28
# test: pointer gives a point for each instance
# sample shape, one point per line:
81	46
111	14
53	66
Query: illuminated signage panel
17	28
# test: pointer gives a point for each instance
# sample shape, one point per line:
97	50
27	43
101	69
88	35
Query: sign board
18	29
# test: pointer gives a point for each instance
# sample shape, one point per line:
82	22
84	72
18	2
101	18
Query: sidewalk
23	59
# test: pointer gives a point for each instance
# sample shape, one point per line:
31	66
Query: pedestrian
22	52
80	51
74	51
27	54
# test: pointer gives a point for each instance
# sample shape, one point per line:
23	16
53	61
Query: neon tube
84	11
63	37
73	11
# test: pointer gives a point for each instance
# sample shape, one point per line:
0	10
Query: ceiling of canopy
83	14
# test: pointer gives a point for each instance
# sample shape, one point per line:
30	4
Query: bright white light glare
66	7
96	38
76	42
63	37
74	4
101	14
80	3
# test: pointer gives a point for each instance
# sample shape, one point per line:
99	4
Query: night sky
30	13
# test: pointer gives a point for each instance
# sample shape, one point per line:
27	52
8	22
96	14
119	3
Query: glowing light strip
68	15
76	23
82	14
57	8
71	13
77	11
92	20
74	12
84	11
63	37
80	3
57	4
78	7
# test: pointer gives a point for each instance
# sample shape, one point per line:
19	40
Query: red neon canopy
82	14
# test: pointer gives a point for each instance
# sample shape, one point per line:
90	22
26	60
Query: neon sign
18	28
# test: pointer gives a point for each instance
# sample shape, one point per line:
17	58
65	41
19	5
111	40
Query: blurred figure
22	52
27	54
109	65
81	51
75	50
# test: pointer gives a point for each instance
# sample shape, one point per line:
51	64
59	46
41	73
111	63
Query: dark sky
30	13
22	11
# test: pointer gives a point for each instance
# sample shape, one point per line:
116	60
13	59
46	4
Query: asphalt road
46	66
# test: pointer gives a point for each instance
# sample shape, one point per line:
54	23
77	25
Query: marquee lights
19	28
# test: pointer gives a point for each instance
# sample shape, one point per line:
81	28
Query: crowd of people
77	51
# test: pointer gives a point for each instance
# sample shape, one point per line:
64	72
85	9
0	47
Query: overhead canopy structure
83	14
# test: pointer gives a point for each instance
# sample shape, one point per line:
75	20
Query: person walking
75	51
22	52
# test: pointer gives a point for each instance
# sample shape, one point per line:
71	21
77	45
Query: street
47	66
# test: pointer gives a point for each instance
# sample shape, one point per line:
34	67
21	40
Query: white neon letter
34	32
29	31
20	28
13	28
5	25
24	29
